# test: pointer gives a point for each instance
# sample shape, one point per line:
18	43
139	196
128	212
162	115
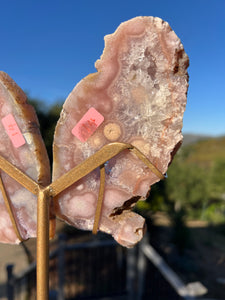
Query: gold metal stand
44	194
43	244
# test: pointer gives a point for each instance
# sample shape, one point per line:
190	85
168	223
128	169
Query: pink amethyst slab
140	91
22	145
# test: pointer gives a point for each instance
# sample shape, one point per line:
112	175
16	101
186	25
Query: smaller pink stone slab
13	131
87	124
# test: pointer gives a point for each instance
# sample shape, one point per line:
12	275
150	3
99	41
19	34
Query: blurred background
47	47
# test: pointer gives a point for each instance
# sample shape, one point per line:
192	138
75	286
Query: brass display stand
44	194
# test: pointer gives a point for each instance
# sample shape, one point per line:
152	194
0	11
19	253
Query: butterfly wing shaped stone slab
138	96
22	146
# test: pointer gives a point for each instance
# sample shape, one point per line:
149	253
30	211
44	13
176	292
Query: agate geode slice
138	96
21	145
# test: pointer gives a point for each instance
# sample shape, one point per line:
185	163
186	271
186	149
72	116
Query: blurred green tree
218	179
187	186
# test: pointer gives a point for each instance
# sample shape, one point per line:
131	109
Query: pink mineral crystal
22	145
140	91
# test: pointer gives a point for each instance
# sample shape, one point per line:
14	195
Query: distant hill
193	138
203	149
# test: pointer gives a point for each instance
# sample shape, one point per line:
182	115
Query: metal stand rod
43	244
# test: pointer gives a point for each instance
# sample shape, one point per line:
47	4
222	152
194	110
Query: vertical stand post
43	244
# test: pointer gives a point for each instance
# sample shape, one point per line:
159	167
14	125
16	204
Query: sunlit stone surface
23	147
140	91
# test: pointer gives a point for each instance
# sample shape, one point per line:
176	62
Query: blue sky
49	46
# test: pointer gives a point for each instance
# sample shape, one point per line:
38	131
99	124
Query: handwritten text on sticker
13	131
88	124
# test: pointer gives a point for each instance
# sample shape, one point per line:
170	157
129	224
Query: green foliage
187	185
196	182
143	206
214	213
218	179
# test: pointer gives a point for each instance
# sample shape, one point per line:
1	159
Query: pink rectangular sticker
13	131
88	124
